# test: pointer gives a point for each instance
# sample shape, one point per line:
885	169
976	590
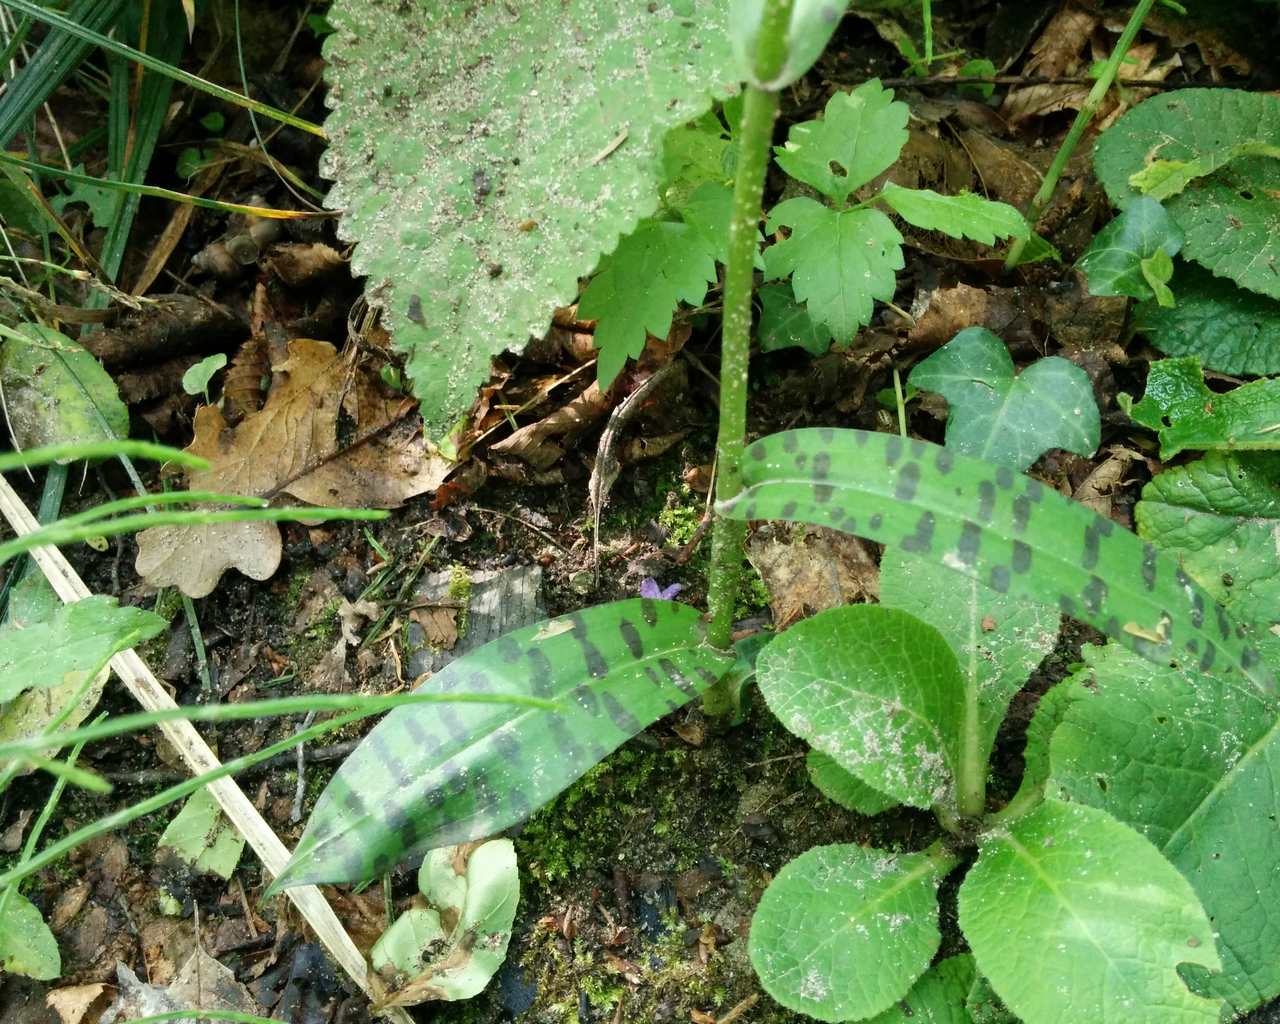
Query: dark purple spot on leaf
908	480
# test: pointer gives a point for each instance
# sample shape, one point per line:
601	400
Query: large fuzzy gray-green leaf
1231	330
1231	218
487	154
1006	419
432	776
844	787
1073	916
937	998
1193	763
844	931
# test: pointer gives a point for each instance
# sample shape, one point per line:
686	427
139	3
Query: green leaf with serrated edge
1007	419
71	645
56	392
201	836
707	211
1166	178
421	781
1038	249
937	998
810	27
1231	330
839	262
844	788
450	949
1113	261
27	946
963	216
1179	406
1193	763
694	154
859	136
1220	517
1098	924
844	931
998	639
785	323
1006	530
638	287
485	157
984	1005
877	690
1231	218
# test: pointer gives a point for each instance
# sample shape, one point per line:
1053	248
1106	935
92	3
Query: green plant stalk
1085	115
93	449
759	110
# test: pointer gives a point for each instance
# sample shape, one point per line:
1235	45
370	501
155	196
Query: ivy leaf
861	680
1114	261
844	931
997	638
937	998
1009	532
840	262
1193	763
785	323
422	780
638	287
845	788
485	156
860	135
1186	414
27	946
1005	419
1220	517
963	216
1102	923
1231	330
1231	218
1157	270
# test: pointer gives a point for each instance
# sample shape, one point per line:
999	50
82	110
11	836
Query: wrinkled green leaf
1231	218
1099	924
639	286
201	836
875	689
196	380
56	392
1193	763
1006	530
1006	419
811	25
840	262
1231	330
450	949
963	216
468	145
448	775
997	638
843	787
785	323
27	946
937	998
1113	263
860	136
72	645
984	1005
1163	179
1157	271
844	931
1179	406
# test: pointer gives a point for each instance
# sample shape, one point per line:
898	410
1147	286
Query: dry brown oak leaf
288	446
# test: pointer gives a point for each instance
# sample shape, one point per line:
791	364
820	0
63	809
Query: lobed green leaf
1008	531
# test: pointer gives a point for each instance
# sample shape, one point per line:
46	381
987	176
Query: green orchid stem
1100	88
755	135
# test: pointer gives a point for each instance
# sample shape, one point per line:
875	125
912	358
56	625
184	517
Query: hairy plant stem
1100	88
755	134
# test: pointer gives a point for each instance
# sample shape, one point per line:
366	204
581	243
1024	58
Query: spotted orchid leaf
1006	530
449	775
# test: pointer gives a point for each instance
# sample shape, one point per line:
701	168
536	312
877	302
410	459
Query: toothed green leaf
785	323
860	135
1008	531
1006	419
840	262
962	216
447	775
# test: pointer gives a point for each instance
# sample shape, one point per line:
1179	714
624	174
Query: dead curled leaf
809	569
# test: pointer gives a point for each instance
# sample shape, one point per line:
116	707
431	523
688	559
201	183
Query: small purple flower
649	588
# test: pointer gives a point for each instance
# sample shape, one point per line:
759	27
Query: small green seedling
196	380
